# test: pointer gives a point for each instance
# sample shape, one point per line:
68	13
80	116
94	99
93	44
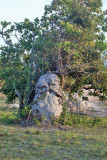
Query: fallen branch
28	115
58	72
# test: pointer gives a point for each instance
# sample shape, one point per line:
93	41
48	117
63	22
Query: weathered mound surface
49	97
93	106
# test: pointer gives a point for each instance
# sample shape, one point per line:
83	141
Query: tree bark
59	62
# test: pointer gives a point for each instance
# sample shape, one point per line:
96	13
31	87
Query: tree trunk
30	76
20	96
21	103
60	66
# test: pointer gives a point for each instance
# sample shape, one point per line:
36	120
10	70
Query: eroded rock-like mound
49	97
92	106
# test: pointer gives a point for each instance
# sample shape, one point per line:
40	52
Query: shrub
72	119
38	132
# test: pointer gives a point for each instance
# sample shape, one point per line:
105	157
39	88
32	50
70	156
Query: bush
24	113
72	119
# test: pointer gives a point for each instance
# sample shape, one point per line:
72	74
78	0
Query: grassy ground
30	143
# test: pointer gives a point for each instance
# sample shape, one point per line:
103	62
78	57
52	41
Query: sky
17	10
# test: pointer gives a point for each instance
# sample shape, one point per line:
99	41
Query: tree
17	58
68	40
80	39
23	59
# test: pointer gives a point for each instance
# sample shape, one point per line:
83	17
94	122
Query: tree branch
2	33
58	72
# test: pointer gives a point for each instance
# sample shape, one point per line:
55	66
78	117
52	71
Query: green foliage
38	132
103	97
27	132
80	93
65	118
84	98
72	119
80	38
24	113
21	61
99	81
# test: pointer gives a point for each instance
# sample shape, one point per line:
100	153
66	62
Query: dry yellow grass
17	142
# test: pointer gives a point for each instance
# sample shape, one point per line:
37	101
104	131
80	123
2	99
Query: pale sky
17	10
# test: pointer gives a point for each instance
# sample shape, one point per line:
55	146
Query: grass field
31	143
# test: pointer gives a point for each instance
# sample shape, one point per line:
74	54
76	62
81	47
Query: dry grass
30	143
